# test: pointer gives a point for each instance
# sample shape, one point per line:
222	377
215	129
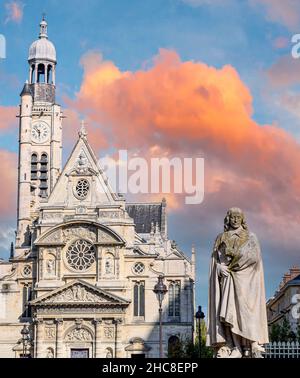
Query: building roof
147	215
26	90
42	49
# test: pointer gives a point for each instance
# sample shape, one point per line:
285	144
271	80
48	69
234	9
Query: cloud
14	10
9	185
8	120
281	43
190	109
199	3
285	12
284	72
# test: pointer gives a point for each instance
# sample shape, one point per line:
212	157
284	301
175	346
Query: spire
43	28
26	90
82	133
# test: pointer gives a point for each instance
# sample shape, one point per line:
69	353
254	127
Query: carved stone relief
77	293
75	232
54	237
104	237
108	332
49	333
80	334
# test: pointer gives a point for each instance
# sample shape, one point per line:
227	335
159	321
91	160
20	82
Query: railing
282	350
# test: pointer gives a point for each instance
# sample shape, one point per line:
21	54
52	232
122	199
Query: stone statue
50	266
50	353
237	319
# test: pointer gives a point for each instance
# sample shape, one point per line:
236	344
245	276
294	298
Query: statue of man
237	319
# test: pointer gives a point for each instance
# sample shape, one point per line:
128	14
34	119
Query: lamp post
160	289
199	315
25	338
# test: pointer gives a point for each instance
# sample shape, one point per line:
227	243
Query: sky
188	78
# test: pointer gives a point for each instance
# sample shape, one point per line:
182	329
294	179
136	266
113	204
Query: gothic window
27	296
139	299
174	299
81	255
138	268
44	176
34	167
82	189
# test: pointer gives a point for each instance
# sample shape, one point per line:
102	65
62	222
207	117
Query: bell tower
40	135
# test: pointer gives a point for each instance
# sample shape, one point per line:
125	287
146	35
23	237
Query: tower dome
42	67
42	49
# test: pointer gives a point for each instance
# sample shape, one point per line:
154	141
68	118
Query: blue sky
244	34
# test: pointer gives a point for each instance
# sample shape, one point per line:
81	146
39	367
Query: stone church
81	274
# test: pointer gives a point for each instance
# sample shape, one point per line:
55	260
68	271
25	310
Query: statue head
234	219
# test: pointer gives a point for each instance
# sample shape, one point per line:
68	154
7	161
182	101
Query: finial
43	27
82	133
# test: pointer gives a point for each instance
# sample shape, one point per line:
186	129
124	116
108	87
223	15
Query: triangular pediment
79	293
82	165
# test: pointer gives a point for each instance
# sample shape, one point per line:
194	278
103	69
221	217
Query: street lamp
160	289
199	315
25	338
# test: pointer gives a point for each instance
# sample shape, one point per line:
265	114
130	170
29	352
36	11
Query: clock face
40	132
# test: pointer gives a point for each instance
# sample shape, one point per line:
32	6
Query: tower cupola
42	62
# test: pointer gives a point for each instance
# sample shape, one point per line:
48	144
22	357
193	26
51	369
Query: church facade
85	262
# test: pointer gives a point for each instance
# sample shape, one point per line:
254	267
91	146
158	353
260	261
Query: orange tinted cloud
14	11
193	110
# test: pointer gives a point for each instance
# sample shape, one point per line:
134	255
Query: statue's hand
222	270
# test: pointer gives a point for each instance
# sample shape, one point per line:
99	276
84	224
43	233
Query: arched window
27	296
174	299
44	176
139	299
32	78
50	75
34	167
41	73
173	347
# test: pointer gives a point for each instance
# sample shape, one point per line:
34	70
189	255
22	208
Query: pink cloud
284	72
281	43
8	120
285	12
9	184
14	11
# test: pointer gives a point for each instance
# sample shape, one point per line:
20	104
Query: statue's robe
238	301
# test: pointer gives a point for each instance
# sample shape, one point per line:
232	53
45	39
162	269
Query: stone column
97	324
118	337
39	338
59	338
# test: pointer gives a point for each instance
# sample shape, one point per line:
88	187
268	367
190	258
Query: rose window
82	189
139	268
81	255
